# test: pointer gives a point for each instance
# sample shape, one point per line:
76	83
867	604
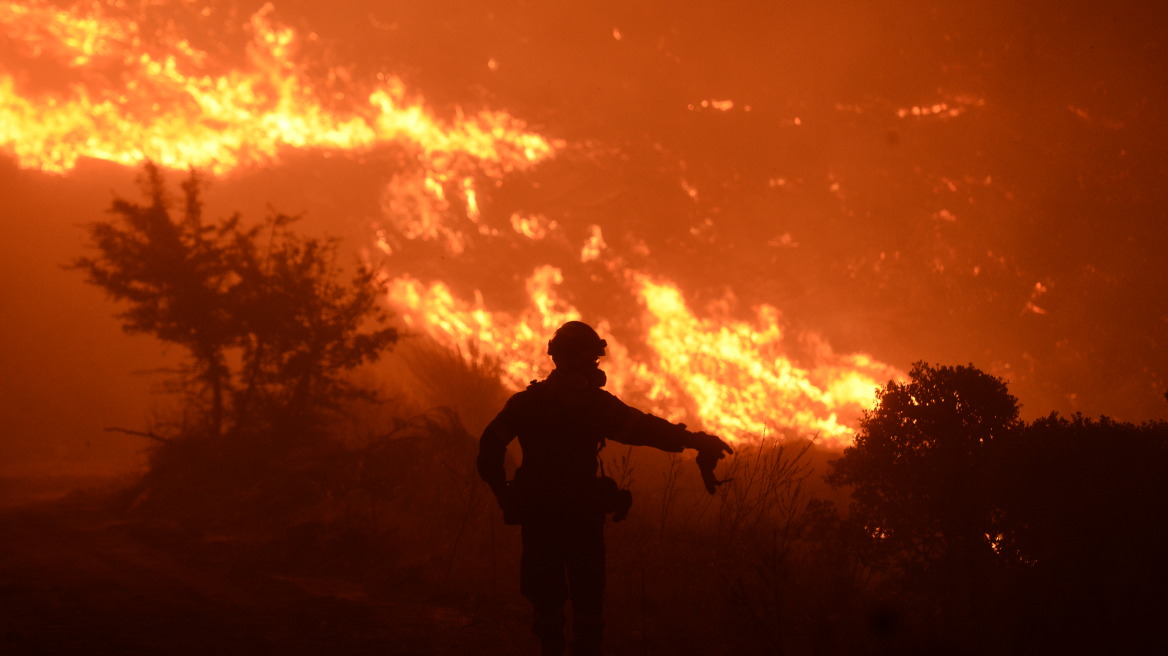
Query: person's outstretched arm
642	429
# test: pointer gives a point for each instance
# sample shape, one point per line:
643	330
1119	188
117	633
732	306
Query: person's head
576	347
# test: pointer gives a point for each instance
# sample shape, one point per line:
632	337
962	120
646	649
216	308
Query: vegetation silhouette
1081	503
270	328
986	531
950	526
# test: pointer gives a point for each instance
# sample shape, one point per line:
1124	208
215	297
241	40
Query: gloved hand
711	449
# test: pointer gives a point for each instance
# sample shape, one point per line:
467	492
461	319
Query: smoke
891	183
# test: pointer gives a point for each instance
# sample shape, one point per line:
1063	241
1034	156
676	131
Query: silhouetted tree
922	488
1078	490
986	531
301	326
1079	499
270	300
920	466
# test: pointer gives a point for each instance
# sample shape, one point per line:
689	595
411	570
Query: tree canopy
920	467
268	320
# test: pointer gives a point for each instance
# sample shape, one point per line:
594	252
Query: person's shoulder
607	398
534	391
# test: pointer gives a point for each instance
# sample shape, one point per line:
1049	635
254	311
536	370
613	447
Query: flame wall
768	210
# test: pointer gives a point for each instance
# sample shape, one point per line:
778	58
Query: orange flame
731	377
175	109
173	103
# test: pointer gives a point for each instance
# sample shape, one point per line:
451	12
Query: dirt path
75	582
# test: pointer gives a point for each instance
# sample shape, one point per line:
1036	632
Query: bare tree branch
127	431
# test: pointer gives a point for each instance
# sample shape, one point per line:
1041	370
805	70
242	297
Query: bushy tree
269	324
1077	492
921	473
920	468
985	530
1081	498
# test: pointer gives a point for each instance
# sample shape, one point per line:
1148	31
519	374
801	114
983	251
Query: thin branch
127	431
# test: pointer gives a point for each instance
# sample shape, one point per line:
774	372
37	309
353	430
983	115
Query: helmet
576	337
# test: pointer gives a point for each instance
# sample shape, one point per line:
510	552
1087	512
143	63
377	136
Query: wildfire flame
156	96
174	108
732	377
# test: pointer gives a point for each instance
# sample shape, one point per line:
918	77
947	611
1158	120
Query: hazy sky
951	182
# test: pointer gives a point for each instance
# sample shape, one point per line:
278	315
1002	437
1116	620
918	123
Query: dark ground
74	580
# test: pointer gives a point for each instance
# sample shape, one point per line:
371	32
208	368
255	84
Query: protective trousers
564	558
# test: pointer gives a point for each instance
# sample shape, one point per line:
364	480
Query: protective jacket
562	422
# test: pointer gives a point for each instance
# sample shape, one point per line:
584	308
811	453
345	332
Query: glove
710	449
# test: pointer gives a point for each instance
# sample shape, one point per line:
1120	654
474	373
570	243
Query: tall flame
733	377
175	108
156	96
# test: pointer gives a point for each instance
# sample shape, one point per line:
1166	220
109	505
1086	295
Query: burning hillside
758	224
165	99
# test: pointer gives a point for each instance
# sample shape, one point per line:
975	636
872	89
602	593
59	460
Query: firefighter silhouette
557	497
